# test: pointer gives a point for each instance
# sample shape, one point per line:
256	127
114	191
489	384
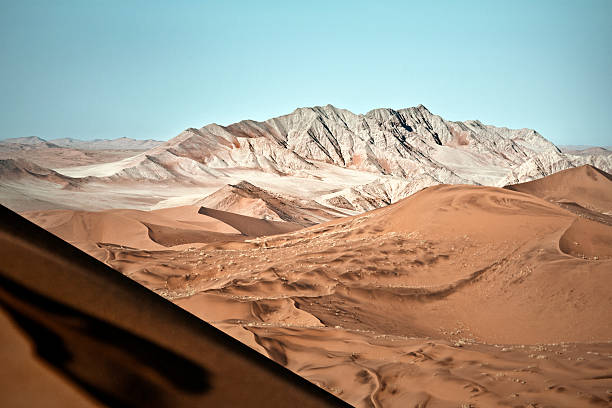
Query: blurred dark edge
135	371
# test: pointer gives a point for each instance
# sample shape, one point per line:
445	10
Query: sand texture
76	333
456	296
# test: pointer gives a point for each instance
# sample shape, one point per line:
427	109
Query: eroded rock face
406	143
384	141
388	154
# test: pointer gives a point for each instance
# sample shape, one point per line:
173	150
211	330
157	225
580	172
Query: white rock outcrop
405	150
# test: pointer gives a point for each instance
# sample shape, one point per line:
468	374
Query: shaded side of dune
108	336
250	226
588	240
584	188
75	342
168	236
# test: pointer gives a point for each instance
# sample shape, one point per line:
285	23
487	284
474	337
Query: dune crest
153	230
247	199
585	186
100	339
458	294
451	277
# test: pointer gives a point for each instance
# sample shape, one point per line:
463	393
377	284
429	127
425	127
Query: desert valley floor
454	295
407	261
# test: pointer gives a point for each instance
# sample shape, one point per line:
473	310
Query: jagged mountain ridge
20	169
58	153
121	143
340	159
407	143
385	141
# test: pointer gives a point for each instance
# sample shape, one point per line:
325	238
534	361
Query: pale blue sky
148	69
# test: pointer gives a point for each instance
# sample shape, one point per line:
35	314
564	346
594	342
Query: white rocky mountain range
342	161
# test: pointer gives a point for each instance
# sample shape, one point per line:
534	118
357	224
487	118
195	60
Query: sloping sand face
77	333
150	230
587	240
586	186
456	295
246	199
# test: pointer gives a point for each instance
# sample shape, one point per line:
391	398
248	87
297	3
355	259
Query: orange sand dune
451	245
77	333
588	240
131	228
455	295
248	225
152	230
586	186
247	199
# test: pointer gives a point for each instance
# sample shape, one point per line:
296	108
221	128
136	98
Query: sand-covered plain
77	333
456	296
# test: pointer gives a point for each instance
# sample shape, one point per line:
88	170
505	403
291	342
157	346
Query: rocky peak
28	140
410	144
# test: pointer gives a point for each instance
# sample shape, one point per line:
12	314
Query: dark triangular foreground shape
113	342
